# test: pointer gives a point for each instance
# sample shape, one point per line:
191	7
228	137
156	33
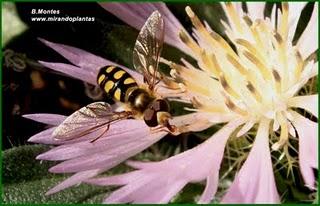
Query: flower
256	84
254	87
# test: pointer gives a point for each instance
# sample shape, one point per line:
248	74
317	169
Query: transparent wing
148	47
88	119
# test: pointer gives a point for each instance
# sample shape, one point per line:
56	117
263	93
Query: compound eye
161	105
150	117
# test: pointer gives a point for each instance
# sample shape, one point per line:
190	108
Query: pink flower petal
255	181
308	41
197	121
211	187
73	180
119	134
157	193
308	147
44	137
256	10
124	194
164	194
50	119
87	64
121	179
78	57
110	157
135	14
140	164
309	103
73	71
162	180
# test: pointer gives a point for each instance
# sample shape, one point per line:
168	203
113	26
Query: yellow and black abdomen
116	82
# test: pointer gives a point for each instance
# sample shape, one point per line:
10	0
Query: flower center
254	80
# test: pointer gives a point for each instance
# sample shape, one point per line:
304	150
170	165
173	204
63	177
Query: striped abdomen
116	82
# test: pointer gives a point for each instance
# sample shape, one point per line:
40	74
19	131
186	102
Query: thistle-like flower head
251	80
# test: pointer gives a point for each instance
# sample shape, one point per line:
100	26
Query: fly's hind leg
98	137
117	116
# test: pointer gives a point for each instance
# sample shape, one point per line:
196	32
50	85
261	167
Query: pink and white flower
254	88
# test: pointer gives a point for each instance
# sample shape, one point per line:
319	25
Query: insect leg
118	116
104	131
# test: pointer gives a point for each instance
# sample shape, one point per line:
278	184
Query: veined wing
148	47
88	119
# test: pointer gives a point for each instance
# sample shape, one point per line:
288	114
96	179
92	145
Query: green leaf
20	165
119	43
26	180
189	194
34	192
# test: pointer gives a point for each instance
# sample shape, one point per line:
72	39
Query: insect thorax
139	99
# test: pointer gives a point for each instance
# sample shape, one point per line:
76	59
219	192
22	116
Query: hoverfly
119	84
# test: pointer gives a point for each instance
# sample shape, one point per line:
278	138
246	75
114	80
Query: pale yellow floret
191	79
233	107
265	72
277	80
259	43
284	133
255	92
217	70
214	39
265	34
234	17
281	53
226	86
224	45
283	26
299	65
190	43
251	49
237	65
